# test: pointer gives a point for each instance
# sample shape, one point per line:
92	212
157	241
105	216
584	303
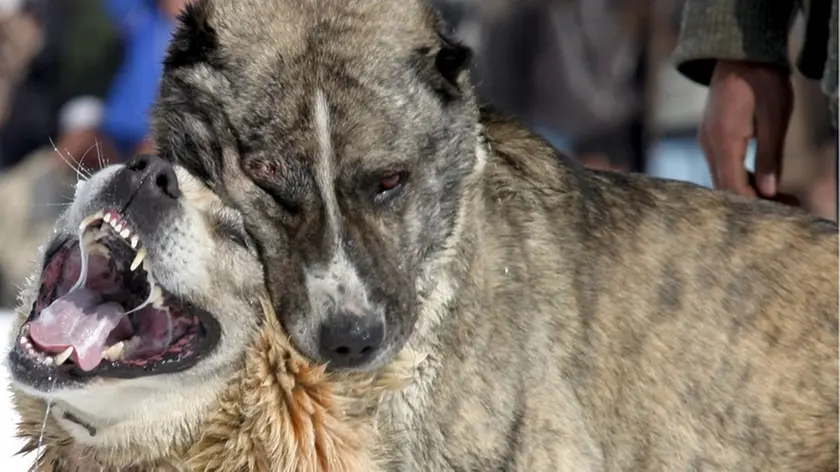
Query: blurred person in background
120	128
73	54
31	39
739	49
575	71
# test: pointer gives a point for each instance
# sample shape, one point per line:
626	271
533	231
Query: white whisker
80	171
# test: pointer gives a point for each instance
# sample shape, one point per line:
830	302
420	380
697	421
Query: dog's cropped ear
444	65
194	40
189	122
452	60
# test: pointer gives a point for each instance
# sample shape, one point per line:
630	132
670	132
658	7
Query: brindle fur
570	319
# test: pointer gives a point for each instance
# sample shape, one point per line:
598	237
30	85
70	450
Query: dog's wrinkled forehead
250	72
289	28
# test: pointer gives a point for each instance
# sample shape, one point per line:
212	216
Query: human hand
746	100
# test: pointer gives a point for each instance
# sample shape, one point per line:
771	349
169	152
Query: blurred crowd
594	77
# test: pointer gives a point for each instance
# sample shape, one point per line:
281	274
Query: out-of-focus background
77	78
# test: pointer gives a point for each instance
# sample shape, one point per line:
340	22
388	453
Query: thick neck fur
278	413
460	299
449	273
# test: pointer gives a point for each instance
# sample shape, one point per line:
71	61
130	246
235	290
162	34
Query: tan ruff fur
279	414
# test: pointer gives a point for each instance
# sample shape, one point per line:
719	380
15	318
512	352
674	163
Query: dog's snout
156	173
350	337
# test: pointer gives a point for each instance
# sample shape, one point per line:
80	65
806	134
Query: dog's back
616	322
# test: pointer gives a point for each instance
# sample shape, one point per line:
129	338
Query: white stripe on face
337	285
324	166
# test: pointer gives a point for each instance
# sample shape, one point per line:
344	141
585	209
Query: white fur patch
324	174
339	281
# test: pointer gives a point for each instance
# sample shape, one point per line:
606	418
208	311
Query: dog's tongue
80	320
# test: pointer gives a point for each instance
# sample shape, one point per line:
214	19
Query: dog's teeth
114	353
62	358
135	241
125	233
88	238
90	219
138	259
157	301
118	228
107	218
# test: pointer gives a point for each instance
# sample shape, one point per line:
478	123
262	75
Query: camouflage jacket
757	30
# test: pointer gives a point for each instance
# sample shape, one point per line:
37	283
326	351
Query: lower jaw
28	370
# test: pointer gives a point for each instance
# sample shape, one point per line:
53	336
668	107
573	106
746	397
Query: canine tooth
88	238
138	259
124	233
62	358
135	241
157	301
114	352
90	219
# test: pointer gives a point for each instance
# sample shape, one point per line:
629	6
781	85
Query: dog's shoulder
525	171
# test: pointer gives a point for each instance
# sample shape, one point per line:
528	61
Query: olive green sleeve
752	30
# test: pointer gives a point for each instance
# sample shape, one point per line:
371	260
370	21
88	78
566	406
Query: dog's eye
391	182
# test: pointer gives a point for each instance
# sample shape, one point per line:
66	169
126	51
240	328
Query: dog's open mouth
99	312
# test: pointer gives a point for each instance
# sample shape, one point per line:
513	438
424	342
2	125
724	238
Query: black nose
156	173
349	339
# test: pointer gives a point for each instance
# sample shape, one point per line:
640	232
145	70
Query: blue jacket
146	31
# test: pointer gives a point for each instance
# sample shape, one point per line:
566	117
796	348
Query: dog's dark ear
194	40
452	60
445	67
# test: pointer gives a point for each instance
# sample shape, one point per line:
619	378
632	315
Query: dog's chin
105	319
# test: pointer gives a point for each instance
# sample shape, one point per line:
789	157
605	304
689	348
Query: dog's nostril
350	339
161	182
155	172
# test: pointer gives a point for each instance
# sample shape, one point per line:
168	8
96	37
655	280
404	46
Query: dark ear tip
452	58
194	40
